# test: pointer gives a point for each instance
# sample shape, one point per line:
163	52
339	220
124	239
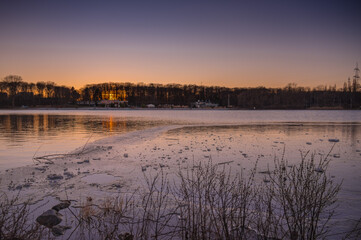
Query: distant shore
164	108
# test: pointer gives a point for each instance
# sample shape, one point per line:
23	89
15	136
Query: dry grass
204	201
299	200
208	201
16	221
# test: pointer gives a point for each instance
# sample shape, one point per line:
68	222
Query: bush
204	201
16	221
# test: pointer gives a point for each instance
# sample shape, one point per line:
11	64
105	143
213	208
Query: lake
131	141
25	133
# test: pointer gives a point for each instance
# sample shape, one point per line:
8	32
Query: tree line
16	92
289	97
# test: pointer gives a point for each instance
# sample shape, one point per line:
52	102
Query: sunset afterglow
233	43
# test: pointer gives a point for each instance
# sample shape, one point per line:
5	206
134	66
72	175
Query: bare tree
40	86
12	84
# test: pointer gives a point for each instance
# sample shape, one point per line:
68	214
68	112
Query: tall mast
356	77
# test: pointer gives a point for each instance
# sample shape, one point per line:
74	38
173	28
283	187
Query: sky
224	43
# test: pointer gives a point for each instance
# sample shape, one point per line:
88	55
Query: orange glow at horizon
249	76
209	66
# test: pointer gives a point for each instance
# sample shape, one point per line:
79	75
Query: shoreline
180	108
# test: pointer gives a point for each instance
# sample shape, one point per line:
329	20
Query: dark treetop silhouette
16	92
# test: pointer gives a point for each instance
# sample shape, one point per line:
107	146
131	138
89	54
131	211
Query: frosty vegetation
204	201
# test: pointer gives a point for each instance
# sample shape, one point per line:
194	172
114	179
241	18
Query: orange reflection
109	125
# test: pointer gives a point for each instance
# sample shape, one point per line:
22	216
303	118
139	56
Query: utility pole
356	77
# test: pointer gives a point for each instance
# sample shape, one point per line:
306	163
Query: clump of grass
144	214
213	203
299	200
16	220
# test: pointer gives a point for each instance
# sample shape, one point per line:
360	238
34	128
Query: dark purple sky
231	43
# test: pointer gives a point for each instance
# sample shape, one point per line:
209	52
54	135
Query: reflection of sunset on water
63	132
21	135
108	124
111	124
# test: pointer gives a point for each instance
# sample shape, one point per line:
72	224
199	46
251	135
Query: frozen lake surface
129	142
25	133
